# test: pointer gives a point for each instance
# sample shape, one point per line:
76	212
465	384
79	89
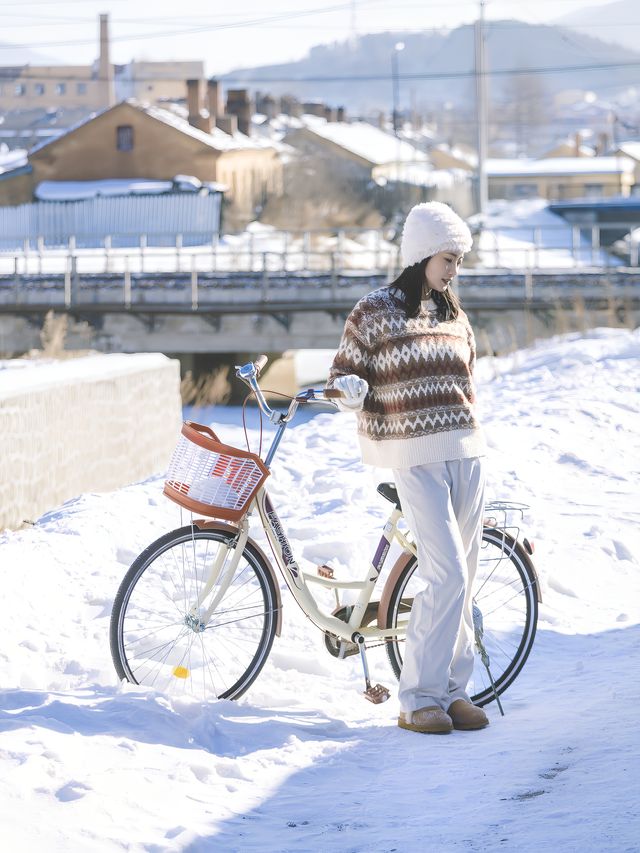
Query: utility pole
481	113
395	118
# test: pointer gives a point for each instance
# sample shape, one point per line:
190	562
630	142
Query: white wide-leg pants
443	504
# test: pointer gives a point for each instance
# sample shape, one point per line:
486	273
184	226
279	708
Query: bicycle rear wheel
157	634
505	593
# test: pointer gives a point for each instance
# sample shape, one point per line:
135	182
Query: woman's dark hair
407	289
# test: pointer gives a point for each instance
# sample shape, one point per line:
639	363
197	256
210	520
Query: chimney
105	68
314	108
239	105
578	143
228	123
267	105
214	101
603	143
290	106
197	117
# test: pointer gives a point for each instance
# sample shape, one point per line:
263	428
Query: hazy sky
254	33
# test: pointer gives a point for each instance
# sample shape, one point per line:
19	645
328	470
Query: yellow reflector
181	672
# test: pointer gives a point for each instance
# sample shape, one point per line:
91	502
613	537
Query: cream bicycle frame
298	581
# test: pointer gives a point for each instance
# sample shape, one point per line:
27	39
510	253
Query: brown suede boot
466	717
431	720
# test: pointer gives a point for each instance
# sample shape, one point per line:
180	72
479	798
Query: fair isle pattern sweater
419	408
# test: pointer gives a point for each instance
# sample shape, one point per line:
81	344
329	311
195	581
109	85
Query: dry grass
54	338
53	335
209	389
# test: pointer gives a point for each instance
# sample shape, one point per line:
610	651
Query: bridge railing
242	293
344	251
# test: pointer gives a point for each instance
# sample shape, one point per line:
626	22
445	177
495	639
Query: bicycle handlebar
249	373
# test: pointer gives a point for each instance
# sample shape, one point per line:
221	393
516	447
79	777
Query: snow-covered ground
302	762
527	235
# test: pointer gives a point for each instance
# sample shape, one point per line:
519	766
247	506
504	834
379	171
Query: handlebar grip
260	363
333	393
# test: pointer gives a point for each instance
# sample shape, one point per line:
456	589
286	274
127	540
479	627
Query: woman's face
441	269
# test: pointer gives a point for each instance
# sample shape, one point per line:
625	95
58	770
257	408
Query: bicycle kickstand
375	693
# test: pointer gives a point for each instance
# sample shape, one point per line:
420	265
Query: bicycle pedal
325	571
376	693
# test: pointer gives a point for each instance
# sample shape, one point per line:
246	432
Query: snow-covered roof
51	139
364	140
560	166
631	149
12	159
466	155
217	139
419	174
77	190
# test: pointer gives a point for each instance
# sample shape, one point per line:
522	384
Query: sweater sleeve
472	347
352	357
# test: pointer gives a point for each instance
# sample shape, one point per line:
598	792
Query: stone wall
86	424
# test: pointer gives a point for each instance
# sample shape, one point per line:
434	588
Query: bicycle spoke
157	636
505	594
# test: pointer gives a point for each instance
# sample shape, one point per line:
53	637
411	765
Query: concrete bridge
227	312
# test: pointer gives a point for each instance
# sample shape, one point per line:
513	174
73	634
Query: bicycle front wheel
160	633
505	598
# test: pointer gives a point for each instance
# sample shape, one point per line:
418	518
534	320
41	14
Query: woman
405	365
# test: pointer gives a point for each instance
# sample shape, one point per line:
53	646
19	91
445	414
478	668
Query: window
61	88
20	90
38	88
525	191
124	137
81	88
594	190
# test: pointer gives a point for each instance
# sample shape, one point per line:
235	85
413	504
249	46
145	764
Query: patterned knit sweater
419	408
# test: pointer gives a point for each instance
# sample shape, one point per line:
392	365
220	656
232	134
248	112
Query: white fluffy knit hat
430	228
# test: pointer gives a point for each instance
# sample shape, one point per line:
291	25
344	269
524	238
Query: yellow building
30	87
560	178
133	140
631	149
95	86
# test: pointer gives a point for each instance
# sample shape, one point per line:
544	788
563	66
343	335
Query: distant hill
510	45
614	22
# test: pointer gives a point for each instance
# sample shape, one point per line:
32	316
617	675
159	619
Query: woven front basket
211	478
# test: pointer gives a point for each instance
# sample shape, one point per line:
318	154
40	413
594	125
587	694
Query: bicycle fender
396	570
207	524
404	558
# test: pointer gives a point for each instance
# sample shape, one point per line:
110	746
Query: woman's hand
354	390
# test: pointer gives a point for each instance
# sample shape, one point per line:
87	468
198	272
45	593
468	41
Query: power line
196	29
344	78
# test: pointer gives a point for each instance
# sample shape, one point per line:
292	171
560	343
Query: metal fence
110	221
353	250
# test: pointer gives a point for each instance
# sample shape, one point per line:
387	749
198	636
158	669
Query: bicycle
198	610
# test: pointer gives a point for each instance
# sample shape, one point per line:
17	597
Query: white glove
354	390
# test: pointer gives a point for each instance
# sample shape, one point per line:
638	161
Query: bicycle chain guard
343	648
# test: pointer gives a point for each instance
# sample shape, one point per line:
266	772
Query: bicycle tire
504	569
157	641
